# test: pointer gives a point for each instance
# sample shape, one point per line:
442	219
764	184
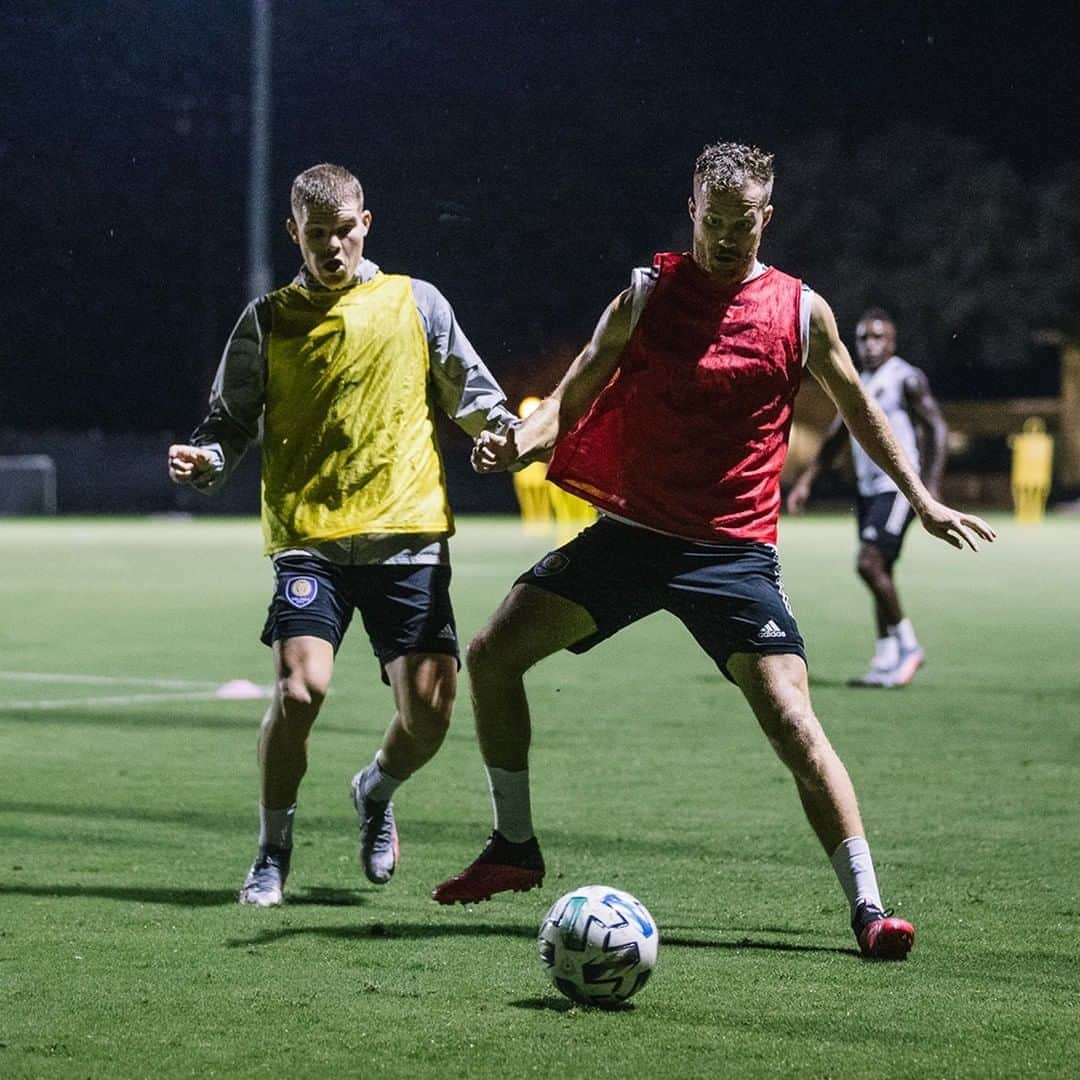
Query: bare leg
303	667
424	686
776	689
529	625
876	573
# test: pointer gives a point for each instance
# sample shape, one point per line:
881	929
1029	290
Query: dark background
523	156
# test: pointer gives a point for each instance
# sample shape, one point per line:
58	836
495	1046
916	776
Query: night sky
522	156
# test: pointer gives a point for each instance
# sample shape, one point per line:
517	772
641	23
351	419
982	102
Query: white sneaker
264	885
379	847
886	654
876	677
910	662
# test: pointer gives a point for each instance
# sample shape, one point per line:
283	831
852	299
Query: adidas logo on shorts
771	630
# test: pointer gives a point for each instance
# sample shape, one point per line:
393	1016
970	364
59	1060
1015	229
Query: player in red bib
673	422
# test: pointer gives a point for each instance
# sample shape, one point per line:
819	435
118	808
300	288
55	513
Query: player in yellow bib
342	368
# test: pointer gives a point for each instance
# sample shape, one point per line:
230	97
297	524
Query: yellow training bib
349	441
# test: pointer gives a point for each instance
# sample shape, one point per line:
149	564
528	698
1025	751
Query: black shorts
883	520
405	608
729	596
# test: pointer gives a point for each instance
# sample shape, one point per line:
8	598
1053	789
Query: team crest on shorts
554	562
301	591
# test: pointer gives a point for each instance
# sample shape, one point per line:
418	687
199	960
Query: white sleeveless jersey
886	387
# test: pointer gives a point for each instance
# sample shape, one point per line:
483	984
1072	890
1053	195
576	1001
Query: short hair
876	313
733	165
325	187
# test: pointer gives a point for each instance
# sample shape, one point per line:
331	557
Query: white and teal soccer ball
598	945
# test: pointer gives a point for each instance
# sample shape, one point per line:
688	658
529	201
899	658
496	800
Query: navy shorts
729	596
883	520
404	608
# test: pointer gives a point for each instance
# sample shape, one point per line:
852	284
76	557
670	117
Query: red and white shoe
501	867
882	936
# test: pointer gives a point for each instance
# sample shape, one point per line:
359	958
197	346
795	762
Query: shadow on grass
827	683
556	1005
380	931
680	941
328	896
464	835
317	896
199	715
430	930
324	896
569	842
135	894
754	937
207	819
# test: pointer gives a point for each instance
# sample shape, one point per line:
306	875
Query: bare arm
831	365
588	374
834	439
932	429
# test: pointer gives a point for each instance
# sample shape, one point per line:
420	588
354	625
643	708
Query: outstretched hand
494	453
955	528
189	464
798	497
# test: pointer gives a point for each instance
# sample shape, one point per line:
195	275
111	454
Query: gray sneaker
265	883
378	834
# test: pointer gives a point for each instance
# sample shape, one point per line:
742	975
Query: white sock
510	803
886	653
904	632
378	783
275	826
855	870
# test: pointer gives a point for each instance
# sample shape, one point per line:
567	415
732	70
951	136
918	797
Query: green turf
125	829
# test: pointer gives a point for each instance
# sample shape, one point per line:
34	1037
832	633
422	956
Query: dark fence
116	473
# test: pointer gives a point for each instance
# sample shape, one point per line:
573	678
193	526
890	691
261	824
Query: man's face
331	241
728	223
875	342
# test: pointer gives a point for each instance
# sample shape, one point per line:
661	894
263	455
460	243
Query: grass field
128	818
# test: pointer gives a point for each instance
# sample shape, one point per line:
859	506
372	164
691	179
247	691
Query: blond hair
325	187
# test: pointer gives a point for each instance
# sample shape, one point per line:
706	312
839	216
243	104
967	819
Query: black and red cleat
881	935
501	867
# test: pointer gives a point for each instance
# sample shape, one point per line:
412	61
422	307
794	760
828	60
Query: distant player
673	422
343	369
903	394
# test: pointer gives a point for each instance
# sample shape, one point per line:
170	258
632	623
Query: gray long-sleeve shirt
463	388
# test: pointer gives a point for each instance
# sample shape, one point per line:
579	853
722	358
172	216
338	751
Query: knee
427	710
870	566
486	656
301	692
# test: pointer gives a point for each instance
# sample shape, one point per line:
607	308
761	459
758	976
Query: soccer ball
598	945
